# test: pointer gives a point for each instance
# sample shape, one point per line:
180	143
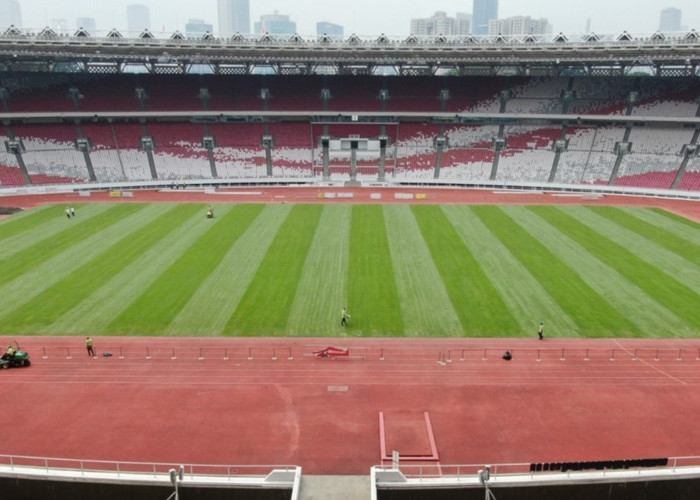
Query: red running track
686	208
557	400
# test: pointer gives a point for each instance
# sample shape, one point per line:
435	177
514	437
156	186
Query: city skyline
233	17
483	11
365	17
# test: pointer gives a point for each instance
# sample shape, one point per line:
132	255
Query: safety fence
442	355
145	469
200	353
457	472
571	354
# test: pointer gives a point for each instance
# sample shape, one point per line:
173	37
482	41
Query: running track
597	403
557	400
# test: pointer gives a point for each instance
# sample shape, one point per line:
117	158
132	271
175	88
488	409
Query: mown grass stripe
152	312
648	315
210	308
653	254
26	220
43	275
265	306
659	235
47	230
676	218
664	289
373	301
46	307
656	218
479	306
322	288
75	232
588	309
93	315
523	294
425	303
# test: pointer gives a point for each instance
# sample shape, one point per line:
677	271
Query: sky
368	17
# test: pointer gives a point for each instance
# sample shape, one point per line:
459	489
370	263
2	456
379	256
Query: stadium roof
590	54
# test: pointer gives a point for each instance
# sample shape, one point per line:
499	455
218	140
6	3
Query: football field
401	270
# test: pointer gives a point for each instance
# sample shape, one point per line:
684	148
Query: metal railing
462	472
371	351
155	470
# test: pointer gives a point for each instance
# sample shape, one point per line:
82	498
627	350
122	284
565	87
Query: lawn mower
18	359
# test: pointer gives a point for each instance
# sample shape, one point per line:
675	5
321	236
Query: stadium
452	194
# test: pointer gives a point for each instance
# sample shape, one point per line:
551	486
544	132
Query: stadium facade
587	113
594	113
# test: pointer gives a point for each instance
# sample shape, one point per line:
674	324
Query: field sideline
402	270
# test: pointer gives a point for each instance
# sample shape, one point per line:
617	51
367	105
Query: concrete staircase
335	487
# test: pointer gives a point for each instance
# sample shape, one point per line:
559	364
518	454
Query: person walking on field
88	344
540	330
344	317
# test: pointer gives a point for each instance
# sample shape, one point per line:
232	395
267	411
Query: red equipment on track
332	352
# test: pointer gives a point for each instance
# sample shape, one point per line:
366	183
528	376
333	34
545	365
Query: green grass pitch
401	270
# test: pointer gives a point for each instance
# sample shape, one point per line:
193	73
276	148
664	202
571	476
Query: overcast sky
368	17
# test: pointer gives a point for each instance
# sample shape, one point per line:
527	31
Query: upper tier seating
117	152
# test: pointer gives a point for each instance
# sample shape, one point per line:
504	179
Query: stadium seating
667	97
10	174
527	153
657	140
691	177
475	95
525	165
118	94
161	95
49	155
648	170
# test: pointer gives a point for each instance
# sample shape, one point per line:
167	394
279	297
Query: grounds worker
344	317
88	344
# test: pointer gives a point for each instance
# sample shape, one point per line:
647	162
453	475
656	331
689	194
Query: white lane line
649	364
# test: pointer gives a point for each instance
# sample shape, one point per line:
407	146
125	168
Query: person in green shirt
88	344
344	317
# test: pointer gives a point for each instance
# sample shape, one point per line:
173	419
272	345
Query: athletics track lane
322	414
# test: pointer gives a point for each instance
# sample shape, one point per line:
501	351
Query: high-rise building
276	24
87	23
197	27
138	18
330	29
519	25
234	17
482	12
440	24
465	16
670	20
10	14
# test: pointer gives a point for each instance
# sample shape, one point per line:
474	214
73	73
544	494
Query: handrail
373	349
463	471
123	467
